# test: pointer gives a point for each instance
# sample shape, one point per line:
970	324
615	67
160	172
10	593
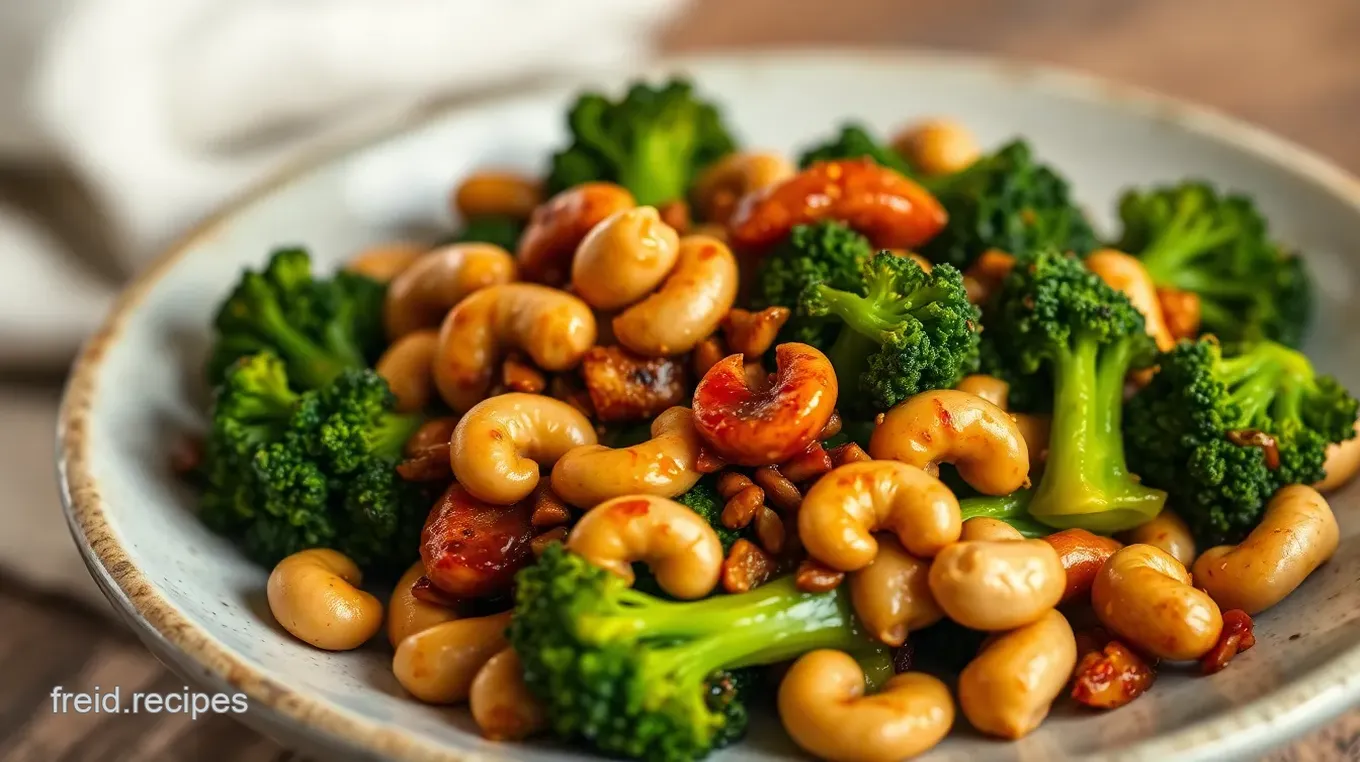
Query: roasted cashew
407	614
720	186
314	595
688	306
624	258
892	594
846	505
937	146
982	528
990	388
497	194
1034	429
438	665
557	226
767	425
499	445
948	426
501	703
1342	464
407	366
386	260
1126	274
1297	534
997	585
663	465
553	327
422	294
676	543
1008	688
1145	596
1167	531
824	710
1082	553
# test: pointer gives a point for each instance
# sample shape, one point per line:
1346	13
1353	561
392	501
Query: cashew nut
1297	534
990	388
997	585
624	258
1145	596
663	465
720	186
1127	274
497	194
385	261
501	703
407	614
438	665
824	710
314	595
553	327
850	502
1343	462
772	423
407	367
557	226
948	426
1008	688
892	595
689	305
500	443
676	543
423	293
982	528
1081	553
1034	429
1167	531
937	146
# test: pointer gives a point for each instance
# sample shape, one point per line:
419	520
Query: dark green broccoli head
1222	433
854	141
703	499
653	142
828	252
903	330
1192	238
501	230
1008	201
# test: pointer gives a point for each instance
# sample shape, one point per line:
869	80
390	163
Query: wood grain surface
1290	66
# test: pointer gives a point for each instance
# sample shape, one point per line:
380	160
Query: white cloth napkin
162	109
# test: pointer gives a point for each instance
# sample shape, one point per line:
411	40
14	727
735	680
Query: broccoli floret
501	230
1192	238
855	141
1008	201
319	327
1054	313
1222	433
903	330
288	471
1027	392
828	252
703	499
653	142
633	675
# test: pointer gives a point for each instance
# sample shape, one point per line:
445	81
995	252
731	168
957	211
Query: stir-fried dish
874	435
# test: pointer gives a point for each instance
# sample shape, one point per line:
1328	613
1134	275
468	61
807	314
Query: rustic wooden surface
1289	66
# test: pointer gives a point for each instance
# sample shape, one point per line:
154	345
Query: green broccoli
1191	238
1054	313
653	142
634	675
826	252
500	230
1012	509
855	141
1027	391
319	327
285	471
1222	433
703	499
903	330
1008	201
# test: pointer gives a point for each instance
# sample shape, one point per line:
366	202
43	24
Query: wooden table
1290	66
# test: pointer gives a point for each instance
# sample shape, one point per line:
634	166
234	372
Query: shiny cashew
1007	689
499	445
1167	531
314	595
990	388
557	226
997	585
1127	274
892	595
824	710
766	423
1082	554
1297	535
1342	464
843	509
407	366
663	465
501	703
407	614
689	305
424	293
385	261
497	194
1034	429
438	665
1145	596
553	327
948	426
624	258
987	529
937	146
719	187
677	544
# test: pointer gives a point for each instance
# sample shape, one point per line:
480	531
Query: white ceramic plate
200	606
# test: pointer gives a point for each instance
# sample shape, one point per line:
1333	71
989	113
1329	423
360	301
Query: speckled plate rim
1308	701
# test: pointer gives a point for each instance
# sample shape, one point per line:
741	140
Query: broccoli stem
312	365
1184	240
1012	509
390	435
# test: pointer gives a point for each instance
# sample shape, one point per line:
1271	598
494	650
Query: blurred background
124	121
